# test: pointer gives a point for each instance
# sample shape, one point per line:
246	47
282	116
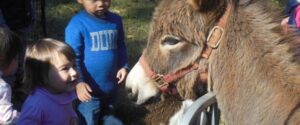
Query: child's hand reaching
285	21
121	75
83	91
284	24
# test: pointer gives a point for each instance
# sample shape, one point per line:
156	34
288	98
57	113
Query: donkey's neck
253	67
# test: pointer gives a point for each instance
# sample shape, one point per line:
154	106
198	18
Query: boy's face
62	75
96	7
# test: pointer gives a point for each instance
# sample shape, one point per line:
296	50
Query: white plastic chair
203	111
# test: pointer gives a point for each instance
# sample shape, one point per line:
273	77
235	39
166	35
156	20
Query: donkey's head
178	34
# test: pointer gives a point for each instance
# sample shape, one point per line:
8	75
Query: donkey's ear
206	5
196	4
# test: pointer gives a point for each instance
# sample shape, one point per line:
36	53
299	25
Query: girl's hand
83	91
121	75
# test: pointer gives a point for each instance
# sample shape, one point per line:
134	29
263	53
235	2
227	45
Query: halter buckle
215	36
159	79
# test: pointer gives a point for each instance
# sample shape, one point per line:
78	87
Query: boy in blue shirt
97	37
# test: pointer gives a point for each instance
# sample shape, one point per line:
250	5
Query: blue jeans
90	111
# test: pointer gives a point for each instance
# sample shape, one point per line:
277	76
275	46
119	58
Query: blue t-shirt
99	47
45	108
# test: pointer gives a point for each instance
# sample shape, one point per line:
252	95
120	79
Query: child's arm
30	115
284	24
121	75
122	50
7	114
285	21
83	91
297	16
123	63
74	38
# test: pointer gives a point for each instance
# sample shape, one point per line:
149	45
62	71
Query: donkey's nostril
129	91
131	95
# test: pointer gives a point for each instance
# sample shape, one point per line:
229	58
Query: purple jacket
45	108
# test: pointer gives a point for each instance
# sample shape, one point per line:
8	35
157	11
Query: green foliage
280	2
58	13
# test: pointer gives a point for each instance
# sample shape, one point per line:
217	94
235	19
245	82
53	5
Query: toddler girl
50	80
10	48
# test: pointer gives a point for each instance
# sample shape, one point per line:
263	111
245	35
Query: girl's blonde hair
38	59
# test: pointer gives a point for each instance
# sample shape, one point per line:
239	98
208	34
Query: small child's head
96	7
10	48
50	64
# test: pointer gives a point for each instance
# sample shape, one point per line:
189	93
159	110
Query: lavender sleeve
7	114
30	116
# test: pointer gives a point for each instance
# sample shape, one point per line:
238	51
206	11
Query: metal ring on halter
218	30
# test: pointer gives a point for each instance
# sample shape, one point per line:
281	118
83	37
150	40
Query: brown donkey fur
255	70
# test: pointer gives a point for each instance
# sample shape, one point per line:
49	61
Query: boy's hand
83	91
121	75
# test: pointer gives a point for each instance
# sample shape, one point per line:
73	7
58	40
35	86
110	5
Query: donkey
253	66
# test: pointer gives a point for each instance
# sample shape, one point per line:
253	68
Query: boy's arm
121	75
83	91
123	63
74	38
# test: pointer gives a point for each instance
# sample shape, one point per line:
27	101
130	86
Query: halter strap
213	41
216	34
164	81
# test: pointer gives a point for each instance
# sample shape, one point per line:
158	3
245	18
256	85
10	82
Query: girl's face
96	7
12	67
62	75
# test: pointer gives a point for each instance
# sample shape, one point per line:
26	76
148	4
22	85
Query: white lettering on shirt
104	40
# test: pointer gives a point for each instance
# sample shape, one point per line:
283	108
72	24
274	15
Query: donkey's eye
170	40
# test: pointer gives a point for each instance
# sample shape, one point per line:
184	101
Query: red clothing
297	16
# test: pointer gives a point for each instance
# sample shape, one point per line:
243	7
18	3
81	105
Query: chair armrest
201	104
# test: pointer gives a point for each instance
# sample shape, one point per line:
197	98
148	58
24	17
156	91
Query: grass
136	18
